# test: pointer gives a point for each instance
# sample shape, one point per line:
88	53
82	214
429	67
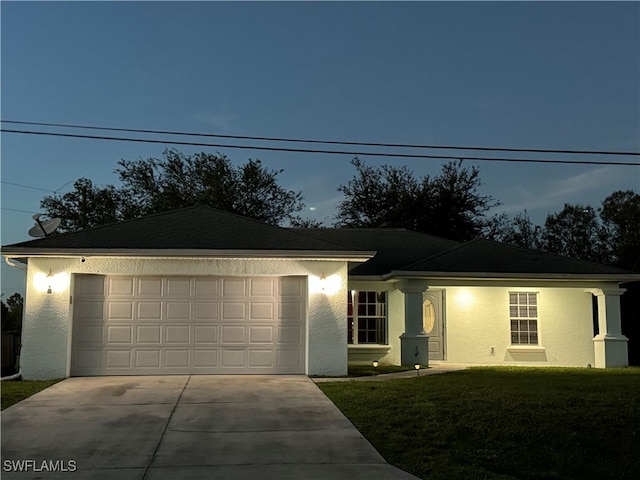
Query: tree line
448	205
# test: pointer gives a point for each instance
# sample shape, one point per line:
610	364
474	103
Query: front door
433	322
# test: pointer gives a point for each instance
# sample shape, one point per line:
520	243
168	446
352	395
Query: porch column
414	342
610	345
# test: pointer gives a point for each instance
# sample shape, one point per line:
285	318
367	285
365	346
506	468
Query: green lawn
502	423
16	390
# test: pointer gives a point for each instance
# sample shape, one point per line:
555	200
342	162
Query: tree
12	313
155	185
448	205
576	232
519	230
87	206
620	214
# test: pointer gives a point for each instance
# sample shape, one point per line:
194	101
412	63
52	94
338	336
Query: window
523	312
367	317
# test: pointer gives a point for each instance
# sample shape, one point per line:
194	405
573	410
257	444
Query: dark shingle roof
394	246
399	250
184	229
481	255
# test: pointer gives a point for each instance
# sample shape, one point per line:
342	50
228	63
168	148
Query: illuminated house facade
201	291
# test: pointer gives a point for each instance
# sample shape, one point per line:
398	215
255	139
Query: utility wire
330	152
27	186
327	142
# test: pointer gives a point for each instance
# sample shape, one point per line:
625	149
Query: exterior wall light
328	285
50	279
51	282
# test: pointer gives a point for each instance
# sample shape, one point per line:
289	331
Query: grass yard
502	422
14	391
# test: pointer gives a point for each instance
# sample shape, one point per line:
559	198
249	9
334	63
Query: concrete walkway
434	368
186	427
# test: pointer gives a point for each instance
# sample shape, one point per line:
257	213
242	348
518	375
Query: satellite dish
45	227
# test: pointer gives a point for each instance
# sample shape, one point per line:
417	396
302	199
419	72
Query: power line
329	152
327	142
16	210
27	186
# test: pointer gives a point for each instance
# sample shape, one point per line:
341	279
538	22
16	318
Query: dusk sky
538	75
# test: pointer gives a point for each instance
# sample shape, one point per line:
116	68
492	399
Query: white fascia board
208	254
568	277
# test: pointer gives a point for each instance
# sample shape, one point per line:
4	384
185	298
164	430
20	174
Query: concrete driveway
186	427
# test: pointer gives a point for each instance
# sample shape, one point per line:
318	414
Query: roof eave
614	277
351	256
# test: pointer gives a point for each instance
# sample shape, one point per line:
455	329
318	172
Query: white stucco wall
46	337
477	323
478	327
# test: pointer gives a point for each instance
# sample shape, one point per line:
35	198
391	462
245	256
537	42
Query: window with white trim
367	318
523	313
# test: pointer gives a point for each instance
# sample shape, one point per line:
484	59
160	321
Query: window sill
526	348
369	348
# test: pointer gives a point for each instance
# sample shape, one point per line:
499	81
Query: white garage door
187	325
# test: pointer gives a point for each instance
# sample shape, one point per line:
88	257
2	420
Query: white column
414	342
610	345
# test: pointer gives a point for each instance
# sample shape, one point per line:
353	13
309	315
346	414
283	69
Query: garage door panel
88	359
261	311
289	358
290	311
149	311
147	359
234	358
188	325
233	334
205	358
119	359
291	286
261	287
234	287
176	358
261	334
205	334
177	334
207	287
290	334
120	310
90	285
178	311
148	334
261	358
234	311
151	287
90	334
120	286
90	309
119	334
178	287
206	311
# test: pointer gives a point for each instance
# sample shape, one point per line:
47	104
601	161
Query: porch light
51	282
50	279
375	364
323	281
417	367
